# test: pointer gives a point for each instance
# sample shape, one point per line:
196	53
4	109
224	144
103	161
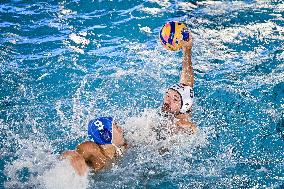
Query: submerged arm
184	123
187	125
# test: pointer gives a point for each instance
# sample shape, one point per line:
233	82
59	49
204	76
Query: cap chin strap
186	94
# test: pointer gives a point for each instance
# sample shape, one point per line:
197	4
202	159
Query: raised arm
186	77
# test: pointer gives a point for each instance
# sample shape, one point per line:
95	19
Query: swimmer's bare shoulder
87	154
92	154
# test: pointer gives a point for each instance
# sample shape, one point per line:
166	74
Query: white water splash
79	39
145	29
63	176
152	11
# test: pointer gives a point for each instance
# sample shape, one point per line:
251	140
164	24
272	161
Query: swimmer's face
172	102
117	133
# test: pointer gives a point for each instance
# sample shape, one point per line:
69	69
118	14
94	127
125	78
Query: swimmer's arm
193	127
186	77
188	125
93	155
77	161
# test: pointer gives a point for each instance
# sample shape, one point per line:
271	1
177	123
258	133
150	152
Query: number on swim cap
99	124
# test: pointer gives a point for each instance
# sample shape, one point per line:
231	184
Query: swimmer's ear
106	135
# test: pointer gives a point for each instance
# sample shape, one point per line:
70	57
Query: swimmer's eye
176	98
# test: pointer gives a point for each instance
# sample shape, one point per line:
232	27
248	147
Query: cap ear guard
187	95
106	136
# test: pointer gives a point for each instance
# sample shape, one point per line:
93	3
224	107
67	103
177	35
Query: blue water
64	62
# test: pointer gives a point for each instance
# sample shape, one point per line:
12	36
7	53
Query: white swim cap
186	94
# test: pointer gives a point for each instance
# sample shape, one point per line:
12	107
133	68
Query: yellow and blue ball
172	33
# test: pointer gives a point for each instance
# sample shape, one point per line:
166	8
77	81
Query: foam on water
63	176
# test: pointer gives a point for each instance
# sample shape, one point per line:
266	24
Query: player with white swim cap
178	99
186	93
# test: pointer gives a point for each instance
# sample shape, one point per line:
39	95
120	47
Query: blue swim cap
100	130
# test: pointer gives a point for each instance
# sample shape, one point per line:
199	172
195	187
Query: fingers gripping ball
172	33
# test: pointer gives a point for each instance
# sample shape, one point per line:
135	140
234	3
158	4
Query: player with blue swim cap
107	143
100	130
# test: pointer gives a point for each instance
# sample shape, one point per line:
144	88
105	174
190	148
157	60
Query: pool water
65	62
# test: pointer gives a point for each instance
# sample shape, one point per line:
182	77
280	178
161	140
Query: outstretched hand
187	45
